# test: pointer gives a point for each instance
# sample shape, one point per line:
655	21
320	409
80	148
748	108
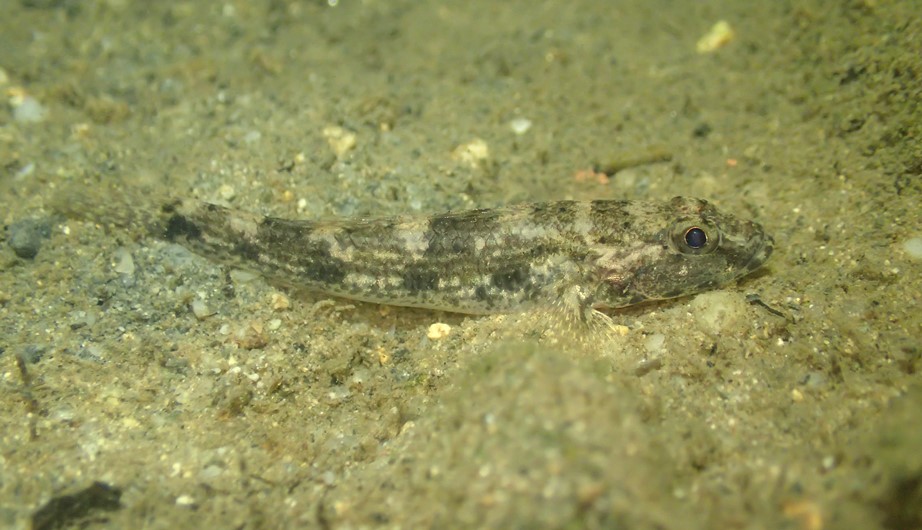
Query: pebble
913	247
438	331
227	192
92	352
279	302
654	343
124	263
472	153
185	501
719	311
25	237
241	276
81	319
717	37
359	379
24	172
33	353
520	126
26	109
200	309
340	140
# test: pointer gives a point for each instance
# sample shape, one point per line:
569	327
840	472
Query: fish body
582	255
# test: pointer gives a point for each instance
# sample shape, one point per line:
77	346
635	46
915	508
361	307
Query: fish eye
695	237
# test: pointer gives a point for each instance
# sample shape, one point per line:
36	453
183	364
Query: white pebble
185	501
913	247
472	153
438	331
200	309
340	140
24	171
520	125
226	192
211	472
719	36
124	262
718	311
338	393
359	378
654	343
242	276
28	110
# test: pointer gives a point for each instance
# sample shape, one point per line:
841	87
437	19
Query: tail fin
140	214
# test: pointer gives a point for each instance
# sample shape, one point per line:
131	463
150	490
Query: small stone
520	126
654	343
81	319
124	263
25	237
815	380
359	379
472	153
186	501
340	140
438	331
913	248
252	337
279	302
717	37
200	309
26	109
33	353
211	472
226	192
383	357
719	312
242	276
24	172
92	352
338	393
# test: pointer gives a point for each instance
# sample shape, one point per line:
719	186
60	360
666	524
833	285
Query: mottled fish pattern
577	255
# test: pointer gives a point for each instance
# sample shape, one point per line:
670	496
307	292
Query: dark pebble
702	130
33	353
25	237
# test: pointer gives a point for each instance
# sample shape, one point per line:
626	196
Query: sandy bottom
146	387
